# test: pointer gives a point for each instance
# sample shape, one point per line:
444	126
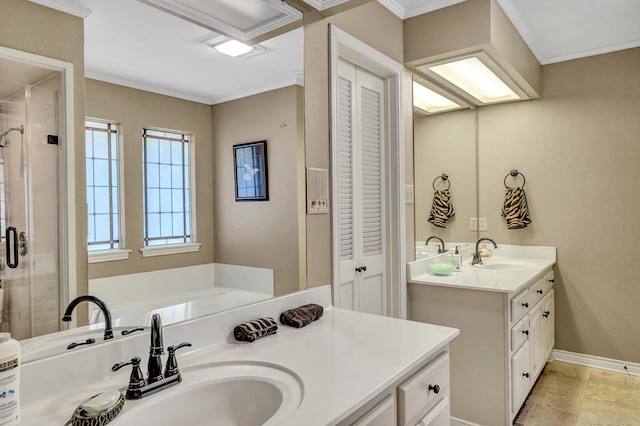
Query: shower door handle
8	232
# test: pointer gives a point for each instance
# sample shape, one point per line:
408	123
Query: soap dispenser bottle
9	380
456	259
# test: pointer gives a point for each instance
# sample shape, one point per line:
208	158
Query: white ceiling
131	43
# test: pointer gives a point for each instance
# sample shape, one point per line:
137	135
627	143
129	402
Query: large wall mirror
146	66
445	144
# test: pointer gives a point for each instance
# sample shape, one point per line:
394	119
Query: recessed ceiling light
478	76
233	48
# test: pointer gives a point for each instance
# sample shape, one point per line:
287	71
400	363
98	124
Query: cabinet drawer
547	281
423	390
520	333
520	305
520	376
537	290
438	416
383	414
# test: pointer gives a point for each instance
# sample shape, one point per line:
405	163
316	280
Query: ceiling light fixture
233	48
478	76
432	101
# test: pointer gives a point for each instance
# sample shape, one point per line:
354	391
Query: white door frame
68	273
344	46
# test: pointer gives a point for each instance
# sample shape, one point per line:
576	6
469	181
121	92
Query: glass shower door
29	211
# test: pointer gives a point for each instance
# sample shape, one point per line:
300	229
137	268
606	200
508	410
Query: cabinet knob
364	269
552	280
525	305
434	388
525	332
525	375
539	291
358	269
546	314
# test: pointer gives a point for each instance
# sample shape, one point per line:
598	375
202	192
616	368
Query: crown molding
65	6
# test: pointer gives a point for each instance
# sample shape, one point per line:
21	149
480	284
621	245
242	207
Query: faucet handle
136	380
171	368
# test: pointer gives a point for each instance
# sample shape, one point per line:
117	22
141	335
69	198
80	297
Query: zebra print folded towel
515	208
253	330
304	315
442	208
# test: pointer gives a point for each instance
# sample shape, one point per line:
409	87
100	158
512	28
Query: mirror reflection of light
430	101
475	78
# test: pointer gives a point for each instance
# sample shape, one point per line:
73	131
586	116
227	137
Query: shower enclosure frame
67	191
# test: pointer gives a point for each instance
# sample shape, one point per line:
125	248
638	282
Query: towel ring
444	178
515	173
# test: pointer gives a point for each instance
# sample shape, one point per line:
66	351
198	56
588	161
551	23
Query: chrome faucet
140	387
108	327
477	260
441	247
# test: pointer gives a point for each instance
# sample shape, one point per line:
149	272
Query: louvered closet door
361	191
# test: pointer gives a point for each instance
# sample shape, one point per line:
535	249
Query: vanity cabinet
420	398
505	339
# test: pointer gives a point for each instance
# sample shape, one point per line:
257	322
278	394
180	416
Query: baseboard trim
597	362
459	422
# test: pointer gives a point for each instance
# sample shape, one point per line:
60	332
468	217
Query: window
167	191
102	178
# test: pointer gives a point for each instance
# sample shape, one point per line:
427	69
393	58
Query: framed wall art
251	178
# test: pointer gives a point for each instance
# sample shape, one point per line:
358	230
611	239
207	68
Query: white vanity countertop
343	360
535	260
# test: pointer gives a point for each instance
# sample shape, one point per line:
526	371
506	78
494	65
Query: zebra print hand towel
304	315
515	208
253	330
442	208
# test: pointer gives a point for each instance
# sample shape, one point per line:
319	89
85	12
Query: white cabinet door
548	307
520	375
383	414
361	191
537	338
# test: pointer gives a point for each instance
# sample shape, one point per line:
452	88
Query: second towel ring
515	173
444	178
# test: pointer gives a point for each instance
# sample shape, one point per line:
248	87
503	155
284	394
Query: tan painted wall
261	233
134	109
365	23
578	148
37	29
446	143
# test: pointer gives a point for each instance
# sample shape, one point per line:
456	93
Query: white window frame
121	253
193	246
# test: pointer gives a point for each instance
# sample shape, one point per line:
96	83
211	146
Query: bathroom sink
234	394
504	265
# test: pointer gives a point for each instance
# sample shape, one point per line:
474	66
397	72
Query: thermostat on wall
317	190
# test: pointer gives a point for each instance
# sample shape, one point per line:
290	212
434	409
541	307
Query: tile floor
570	394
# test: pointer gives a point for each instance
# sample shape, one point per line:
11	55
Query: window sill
108	255
170	249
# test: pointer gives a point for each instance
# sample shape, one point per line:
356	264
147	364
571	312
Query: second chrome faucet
477	259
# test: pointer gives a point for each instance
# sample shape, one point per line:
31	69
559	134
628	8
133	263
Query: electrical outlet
408	194
482	224
473	224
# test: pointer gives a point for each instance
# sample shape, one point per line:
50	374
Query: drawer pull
525	332
434	388
552	280
525	375
525	305
546	314
539	291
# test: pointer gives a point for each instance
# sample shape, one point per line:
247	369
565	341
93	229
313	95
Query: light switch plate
473	224
317	191
408	194
482	224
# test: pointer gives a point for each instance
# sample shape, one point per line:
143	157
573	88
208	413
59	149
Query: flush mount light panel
233	48
477	76
429	101
243	20
324	4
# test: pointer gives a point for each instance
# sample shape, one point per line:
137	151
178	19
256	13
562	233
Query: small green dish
444	268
